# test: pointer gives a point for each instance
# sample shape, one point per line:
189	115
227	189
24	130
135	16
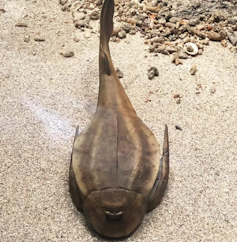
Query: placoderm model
116	174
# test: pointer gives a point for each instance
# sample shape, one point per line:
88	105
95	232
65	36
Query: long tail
106	30
111	92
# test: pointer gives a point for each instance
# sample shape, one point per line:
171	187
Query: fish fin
74	189
76	134
161	181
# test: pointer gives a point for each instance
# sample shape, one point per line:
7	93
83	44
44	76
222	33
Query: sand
44	96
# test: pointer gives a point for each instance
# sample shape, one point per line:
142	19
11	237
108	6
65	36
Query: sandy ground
43	96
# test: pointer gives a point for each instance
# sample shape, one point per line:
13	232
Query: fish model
116	174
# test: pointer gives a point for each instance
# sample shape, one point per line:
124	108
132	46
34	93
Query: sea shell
190	48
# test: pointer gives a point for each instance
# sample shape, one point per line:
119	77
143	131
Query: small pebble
212	90
232	38
216	36
98	2
152	72
122	34
95	15
62	2
87	34
119	73
224	43
27	39
67	54
193	70
173	20
170	25
39	39
200	51
176	96
176	60
178	128
21	25
2	10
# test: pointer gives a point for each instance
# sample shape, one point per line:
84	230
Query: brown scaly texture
116	174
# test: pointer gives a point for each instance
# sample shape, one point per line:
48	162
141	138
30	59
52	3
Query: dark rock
178	128
168	17
39	39
152	72
21	25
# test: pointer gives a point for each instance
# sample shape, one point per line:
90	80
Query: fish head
114	212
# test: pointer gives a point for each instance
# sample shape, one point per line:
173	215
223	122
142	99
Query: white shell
190	48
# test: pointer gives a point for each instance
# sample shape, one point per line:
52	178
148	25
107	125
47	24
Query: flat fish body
116	152
116	174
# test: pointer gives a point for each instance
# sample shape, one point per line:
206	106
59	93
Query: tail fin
106	23
106	30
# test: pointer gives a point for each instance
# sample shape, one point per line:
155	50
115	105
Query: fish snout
114	212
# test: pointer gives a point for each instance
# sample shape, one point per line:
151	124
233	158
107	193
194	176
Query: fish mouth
114	212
